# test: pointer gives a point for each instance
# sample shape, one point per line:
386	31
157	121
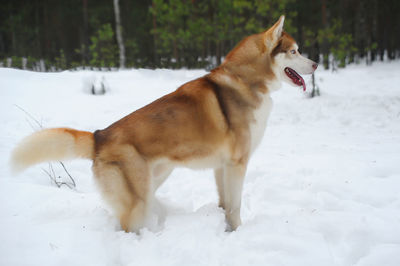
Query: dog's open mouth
295	77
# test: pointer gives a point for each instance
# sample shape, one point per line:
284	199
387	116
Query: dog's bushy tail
53	144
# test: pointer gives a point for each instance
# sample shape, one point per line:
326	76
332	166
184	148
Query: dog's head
268	56
288	63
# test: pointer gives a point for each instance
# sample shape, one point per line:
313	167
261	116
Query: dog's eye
292	51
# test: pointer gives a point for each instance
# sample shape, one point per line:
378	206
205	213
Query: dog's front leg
233	183
219	180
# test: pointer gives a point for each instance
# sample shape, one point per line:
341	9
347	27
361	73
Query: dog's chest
259	123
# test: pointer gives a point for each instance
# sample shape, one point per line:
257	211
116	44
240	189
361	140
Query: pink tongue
300	78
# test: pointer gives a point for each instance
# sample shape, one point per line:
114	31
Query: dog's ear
278	27
275	32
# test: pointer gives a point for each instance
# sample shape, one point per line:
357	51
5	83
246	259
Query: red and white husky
215	121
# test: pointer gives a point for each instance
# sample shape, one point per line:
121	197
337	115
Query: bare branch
30	116
53	177
65	169
51	173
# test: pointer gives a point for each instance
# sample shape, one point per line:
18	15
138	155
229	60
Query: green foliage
103	49
61	61
81	53
373	47
175	31
187	30
309	38
16	61
190	33
133	51
341	44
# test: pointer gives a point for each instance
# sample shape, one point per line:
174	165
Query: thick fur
52	145
215	121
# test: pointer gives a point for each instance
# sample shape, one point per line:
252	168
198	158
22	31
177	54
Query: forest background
49	35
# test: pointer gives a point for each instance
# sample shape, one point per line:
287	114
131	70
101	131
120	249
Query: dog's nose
315	65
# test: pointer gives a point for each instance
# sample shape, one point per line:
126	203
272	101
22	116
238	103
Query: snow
321	189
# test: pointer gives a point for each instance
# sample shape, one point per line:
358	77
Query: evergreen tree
190	33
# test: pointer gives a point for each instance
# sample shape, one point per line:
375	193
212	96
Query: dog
215	121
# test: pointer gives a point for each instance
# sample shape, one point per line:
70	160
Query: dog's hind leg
125	185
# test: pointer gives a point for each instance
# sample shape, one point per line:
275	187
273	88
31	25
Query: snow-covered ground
323	188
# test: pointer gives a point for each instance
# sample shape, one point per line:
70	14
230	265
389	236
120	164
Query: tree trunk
85	33
218	52
315	89
324	44
175	55
119	34
155	58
